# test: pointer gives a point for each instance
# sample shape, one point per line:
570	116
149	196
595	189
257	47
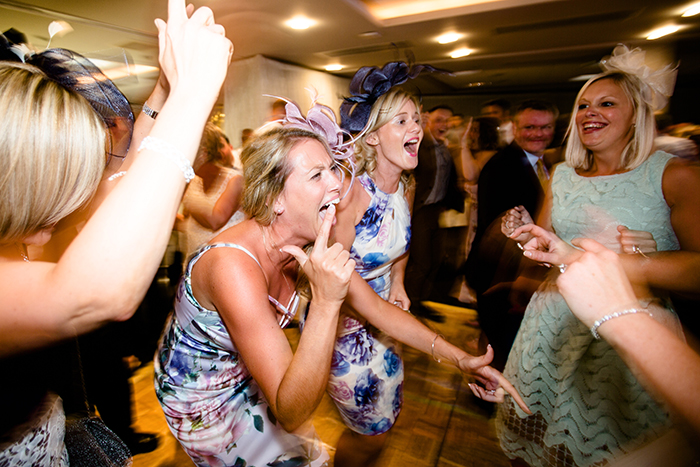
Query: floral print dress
211	403
366	381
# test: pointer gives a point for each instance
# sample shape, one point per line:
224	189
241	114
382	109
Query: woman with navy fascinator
374	224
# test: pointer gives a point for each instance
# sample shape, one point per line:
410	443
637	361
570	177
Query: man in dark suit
436	190
514	176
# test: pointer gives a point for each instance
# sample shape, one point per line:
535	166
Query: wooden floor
440	424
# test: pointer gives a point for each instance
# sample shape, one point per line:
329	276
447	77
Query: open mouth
593	126
411	146
324	208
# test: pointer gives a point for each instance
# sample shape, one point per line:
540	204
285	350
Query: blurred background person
212	200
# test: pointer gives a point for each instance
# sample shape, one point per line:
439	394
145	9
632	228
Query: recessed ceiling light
300	22
334	67
661	32
692	10
459	53
449	38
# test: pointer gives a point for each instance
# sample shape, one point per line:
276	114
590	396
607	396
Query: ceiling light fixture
334	67
459	53
300	22
661	32
449	38
692	10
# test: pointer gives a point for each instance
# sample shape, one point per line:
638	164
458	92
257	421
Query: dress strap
286	313
195	257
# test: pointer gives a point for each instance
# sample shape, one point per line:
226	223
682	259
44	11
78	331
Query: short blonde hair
52	151
383	110
641	143
266	168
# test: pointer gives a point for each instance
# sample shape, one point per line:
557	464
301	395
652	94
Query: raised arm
106	270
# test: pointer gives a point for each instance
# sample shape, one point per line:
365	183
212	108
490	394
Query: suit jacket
506	181
424	175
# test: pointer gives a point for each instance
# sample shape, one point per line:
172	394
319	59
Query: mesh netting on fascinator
73	71
657	84
370	83
321	119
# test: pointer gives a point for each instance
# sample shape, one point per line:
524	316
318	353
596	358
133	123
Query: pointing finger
177	13
297	252
322	240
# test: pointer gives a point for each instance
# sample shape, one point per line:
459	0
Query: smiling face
397	141
311	187
605	118
533	130
437	122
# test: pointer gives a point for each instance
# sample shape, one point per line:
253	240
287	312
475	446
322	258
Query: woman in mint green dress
588	407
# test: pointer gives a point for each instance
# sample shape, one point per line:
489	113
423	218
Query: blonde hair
641	144
266	168
52	151
383	110
210	147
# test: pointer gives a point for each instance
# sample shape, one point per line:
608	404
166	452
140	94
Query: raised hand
495	386
329	269
636	241
194	51
512	220
545	247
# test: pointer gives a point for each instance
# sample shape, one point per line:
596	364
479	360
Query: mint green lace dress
587	406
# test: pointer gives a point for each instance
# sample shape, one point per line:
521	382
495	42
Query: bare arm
675	270
408	330
595	286
293	383
224	208
106	270
471	168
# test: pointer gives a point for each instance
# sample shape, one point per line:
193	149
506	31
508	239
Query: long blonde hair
52	151
383	110
639	148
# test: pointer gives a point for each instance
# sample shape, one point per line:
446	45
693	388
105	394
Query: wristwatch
149	111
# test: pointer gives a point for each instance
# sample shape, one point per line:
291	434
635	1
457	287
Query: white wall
248	80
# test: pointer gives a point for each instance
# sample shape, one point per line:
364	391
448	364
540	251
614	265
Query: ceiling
518	45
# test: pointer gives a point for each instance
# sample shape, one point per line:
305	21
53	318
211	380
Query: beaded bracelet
596	325
432	347
171	152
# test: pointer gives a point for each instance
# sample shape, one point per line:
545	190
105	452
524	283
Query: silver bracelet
596	325
432	347
149	111
171	152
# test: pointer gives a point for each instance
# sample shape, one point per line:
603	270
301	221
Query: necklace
23	252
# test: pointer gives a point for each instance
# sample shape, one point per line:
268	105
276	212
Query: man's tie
542	173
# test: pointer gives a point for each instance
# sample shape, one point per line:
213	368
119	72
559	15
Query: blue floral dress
211	403
366	381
